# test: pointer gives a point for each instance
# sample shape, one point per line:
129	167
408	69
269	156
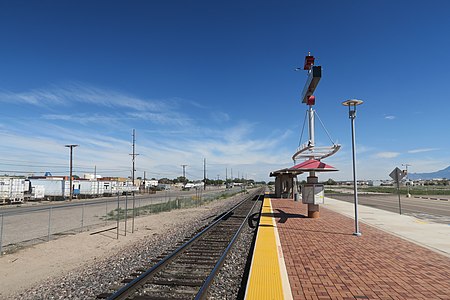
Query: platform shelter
285	182
286	185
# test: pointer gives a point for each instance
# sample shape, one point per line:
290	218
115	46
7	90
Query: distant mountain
445	173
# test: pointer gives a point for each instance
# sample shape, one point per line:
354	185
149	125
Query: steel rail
204	288
129	288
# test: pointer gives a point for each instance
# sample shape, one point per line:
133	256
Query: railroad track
187	272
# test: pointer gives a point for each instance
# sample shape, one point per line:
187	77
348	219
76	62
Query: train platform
322	259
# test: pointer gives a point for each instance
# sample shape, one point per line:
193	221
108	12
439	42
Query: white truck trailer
91	188
54	188
11	190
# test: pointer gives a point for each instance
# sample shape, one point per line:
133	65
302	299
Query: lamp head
352	102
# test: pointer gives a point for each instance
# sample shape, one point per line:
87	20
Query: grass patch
413	190
178	203
334	192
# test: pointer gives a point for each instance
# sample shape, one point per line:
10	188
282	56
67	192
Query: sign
397	174
313	193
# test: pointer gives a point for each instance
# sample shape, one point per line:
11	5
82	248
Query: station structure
299	256
286	184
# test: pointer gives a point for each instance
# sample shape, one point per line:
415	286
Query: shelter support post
313	209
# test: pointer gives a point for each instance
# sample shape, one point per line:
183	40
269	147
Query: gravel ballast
106	274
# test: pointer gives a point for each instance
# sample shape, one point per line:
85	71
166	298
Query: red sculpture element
309	61
311	100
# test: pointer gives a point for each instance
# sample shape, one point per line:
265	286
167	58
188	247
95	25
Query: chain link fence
31	225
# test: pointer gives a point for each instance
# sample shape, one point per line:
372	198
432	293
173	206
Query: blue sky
216	80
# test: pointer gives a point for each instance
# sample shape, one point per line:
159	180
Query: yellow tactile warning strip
268	277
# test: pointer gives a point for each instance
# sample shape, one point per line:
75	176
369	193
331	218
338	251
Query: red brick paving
325	261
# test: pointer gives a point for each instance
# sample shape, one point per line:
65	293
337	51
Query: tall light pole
70	176
352	103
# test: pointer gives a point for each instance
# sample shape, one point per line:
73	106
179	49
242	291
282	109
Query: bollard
126	211
1	237
82	217
118	206
132	224
139	206
49	222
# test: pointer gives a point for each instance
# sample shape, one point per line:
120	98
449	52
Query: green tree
165	181
330	182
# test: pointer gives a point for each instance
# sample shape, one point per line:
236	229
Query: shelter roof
313	165
310	165
285	171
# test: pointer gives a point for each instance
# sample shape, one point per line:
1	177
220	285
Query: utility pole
133	155
184	171
204	173
70	176
95	177
145	187
226	175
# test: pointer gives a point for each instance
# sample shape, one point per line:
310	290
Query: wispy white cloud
220	117
164	118
169	133
85	119
361	149
34	97
81	93
390	117
238	132
386	154
421	150
85	102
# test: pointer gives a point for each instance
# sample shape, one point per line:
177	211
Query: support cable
301	135
323	126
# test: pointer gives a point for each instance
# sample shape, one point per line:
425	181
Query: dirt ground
27	267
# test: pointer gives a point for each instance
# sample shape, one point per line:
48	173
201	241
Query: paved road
42	221
435	208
